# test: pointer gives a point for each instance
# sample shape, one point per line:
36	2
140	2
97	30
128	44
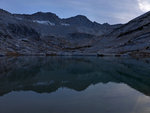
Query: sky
102	11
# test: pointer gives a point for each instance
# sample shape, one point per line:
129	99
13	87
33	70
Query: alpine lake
74	85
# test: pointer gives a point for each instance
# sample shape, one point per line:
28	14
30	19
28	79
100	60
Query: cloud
144	5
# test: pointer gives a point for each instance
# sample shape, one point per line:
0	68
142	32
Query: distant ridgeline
47	34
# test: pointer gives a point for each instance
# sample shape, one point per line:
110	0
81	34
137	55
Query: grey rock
46	34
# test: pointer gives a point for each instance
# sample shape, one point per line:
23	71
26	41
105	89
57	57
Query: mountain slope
132	38
47	34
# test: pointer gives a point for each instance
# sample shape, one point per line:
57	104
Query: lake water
74	85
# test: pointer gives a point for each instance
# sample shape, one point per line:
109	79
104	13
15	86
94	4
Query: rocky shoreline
134	55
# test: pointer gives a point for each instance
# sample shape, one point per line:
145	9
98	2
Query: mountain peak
45	16
44	13
78	20
80	17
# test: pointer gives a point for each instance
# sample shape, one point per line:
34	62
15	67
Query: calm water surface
74	85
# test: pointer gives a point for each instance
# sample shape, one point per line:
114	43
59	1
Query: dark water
74	85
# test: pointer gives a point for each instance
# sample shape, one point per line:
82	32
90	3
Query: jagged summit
41	16
79	19
45	15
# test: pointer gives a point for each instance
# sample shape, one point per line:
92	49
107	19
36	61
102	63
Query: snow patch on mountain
44	22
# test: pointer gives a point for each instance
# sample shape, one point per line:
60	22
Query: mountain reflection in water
74	85
48	74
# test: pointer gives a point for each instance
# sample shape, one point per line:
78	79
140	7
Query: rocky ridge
47	34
